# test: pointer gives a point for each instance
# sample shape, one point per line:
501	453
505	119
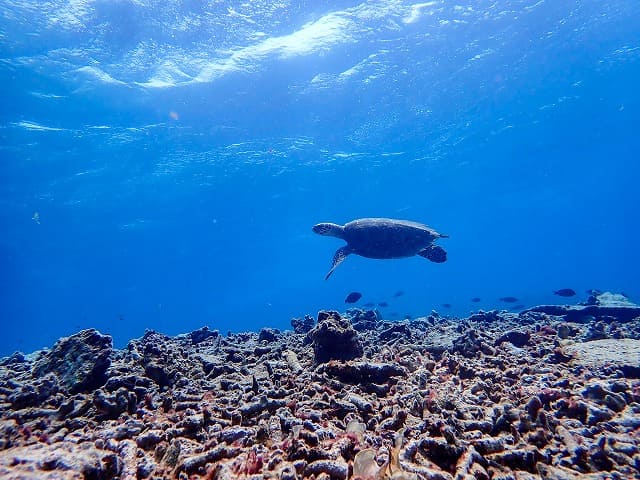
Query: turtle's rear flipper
434	253
338	258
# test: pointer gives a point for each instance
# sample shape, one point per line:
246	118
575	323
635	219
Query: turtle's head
329	229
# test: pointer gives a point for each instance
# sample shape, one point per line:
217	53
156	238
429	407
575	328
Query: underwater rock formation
333	338
202	334
363	320
605	305
494	396
303	325
80	362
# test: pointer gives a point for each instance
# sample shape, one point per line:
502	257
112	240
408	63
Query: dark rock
214	367
80	361
193	463
364	372
302	325
76	423
129	381
363	320
615	402
630	371
261	350
482	316
263	404
111	406
233	434
199	336
127	430
159	374
517	459
533	405
595	391
515	337
489	445
596	415
36	394
394	331
468	344
191	423
331	468
440	452
572	409
145	468
334	338
150	439
586	313
268	335
16	357
26	396
466	372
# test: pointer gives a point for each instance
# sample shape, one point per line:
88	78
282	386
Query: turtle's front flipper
338	258
434	253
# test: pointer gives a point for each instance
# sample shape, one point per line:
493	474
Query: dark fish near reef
508	299
446	305
399	293
476	299
518	307
565	292
353	297
370	304
383	304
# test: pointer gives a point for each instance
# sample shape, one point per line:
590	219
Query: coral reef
493	396
334	338
80	362
302	325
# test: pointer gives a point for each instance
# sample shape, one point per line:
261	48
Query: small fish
565	292
399	293
353	297
476	299
508	299
383	304
369	304
446	305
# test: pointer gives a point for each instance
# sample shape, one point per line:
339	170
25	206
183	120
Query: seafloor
550	393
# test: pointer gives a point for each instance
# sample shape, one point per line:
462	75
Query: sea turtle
383	238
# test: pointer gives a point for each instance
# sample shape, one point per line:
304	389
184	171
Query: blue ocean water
162	163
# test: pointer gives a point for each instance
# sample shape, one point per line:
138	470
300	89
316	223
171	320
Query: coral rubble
546	394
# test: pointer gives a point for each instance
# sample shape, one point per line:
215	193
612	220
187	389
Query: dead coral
334	338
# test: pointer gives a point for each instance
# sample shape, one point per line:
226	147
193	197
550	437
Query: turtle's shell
388	238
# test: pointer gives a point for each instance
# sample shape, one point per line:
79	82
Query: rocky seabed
544	394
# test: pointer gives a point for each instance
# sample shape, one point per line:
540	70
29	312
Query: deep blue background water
162	163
